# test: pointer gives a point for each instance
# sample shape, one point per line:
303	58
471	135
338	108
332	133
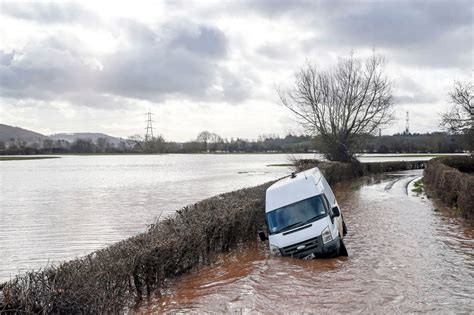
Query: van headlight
275	250
327	237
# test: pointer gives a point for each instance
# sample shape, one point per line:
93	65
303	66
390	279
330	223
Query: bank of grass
280	165
415	155
115	278
418	186
451	180
22	158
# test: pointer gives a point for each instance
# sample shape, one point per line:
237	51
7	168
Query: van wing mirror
336	212
262	235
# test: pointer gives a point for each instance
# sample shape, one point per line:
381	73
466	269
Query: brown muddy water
404	256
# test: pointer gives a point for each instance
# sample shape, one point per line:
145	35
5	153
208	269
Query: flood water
54	210
404	257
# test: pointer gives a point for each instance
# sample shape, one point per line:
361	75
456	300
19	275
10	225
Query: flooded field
57	209
404	256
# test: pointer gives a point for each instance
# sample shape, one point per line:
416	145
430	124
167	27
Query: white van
303	217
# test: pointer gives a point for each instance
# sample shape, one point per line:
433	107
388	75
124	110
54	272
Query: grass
434	155
20	158
281	164
356	184
418	186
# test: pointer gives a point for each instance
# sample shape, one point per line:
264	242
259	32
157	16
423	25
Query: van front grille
309	246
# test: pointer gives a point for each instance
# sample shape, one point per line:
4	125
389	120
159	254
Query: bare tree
204	138
135	143
215	140
461	117
343	104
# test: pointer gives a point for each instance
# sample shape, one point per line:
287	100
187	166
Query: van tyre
342	249
344	228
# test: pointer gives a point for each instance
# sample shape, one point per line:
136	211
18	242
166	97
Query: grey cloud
418	98
434	33
49	12
177	60
205	41
236	88
45	70
391	23
5	58
172	61
273	51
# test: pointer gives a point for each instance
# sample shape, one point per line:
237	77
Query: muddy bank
451	180
116	277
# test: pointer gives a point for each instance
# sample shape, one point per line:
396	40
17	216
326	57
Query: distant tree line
208	142
436	142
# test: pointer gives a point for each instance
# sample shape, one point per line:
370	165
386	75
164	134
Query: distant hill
70	137
8	132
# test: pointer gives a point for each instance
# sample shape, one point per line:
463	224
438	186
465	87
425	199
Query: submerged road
404	256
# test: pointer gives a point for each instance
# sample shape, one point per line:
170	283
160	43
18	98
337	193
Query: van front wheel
342	249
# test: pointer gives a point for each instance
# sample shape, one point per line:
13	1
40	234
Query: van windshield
296	214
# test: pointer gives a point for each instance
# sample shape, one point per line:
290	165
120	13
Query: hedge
336	172
114	278
452	181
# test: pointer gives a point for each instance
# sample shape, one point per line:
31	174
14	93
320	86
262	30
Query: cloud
176	60
210	54
425	33
45	70
434	33
417	98
49	12
172	60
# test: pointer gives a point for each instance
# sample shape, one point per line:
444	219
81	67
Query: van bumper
320	250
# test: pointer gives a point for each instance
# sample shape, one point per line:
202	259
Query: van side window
328	191
326	203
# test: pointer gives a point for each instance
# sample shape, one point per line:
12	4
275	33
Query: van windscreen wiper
311	219
290	226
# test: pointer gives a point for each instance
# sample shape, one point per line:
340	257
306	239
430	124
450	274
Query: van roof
293	188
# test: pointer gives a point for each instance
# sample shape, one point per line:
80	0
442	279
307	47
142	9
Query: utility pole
407	128
149	128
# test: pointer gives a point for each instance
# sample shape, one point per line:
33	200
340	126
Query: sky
99	66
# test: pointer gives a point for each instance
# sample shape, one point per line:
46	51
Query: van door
333	223
332	202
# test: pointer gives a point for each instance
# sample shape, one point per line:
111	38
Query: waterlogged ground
57	209
53	210
404	256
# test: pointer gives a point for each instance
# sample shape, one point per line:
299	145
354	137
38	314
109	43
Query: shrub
450	180
336	172
108	280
